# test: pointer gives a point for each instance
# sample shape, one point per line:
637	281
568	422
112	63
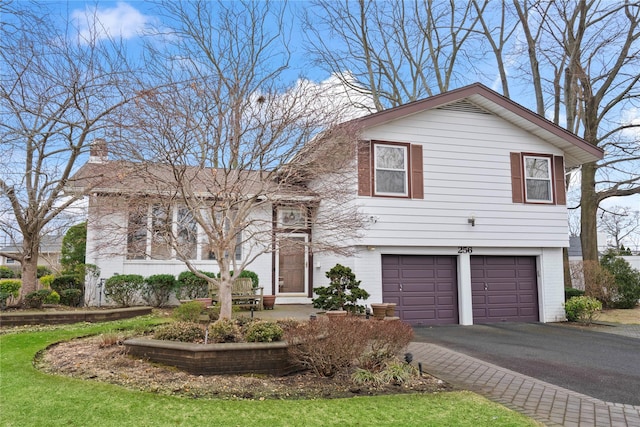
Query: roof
122	177
48	244
577	150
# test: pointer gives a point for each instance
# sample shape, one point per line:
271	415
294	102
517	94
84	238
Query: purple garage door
504	289
423	287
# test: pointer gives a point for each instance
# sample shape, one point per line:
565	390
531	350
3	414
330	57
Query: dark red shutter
417	175
558	171
516	179
364	168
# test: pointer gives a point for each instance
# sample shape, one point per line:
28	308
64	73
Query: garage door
504	289
423	287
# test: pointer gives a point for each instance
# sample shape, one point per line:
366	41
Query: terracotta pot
268	301
334	314
379	310
391	309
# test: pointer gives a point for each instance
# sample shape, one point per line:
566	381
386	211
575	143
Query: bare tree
216	146
58	91
620	223
396	52
589	56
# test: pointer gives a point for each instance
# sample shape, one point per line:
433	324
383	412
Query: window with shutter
389	169
537	178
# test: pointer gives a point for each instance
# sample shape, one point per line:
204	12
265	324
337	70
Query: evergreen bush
188	311
342	293
9	288
190	286
582	309
627	280
157	289
180	331
71	297
123	289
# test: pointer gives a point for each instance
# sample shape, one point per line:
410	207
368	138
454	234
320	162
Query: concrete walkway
542	401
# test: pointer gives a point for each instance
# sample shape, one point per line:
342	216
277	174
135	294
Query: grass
628	316
29	397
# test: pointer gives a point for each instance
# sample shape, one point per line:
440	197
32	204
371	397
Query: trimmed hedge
123	289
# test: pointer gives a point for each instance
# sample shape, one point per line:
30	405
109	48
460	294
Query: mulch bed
104	359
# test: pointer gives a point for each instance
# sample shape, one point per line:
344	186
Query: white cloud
122	21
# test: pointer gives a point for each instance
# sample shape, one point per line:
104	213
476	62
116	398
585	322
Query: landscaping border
216	359
64	317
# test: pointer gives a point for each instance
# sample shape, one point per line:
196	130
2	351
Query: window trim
558	184
407	169
550	179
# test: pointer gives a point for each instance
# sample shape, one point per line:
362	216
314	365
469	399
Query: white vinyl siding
466	173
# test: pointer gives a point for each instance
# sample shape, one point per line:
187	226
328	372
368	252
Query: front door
292	265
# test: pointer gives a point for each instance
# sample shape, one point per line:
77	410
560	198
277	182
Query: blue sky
129	20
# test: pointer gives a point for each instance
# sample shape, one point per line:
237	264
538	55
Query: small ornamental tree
342	293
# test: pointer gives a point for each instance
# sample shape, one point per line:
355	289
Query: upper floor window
537	175
390	163
537	178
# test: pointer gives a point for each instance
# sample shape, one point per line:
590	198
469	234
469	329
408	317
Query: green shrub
263	332
342	293
157	289
65	281
35	299
47	280
627	280
247	274
191	286
6	272
123	289
582	309
188	311
71	297
180	331
224	330
9	288
52	298
42	271
572	292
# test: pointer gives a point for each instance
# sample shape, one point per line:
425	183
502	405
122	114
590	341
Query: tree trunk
567	268
224	290
29	267
588	212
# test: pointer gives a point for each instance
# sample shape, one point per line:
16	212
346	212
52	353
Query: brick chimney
98	152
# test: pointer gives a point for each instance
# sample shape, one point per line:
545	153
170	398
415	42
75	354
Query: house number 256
465	249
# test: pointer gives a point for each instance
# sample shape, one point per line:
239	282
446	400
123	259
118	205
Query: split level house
464	207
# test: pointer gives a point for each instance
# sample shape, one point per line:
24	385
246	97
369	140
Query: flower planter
334	314
379	310
390	310
268	301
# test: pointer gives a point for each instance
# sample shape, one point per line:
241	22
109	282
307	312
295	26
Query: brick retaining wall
206	359
60	317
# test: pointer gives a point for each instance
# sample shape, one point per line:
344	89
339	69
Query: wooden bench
243	294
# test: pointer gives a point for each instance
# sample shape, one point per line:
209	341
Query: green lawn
31	398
